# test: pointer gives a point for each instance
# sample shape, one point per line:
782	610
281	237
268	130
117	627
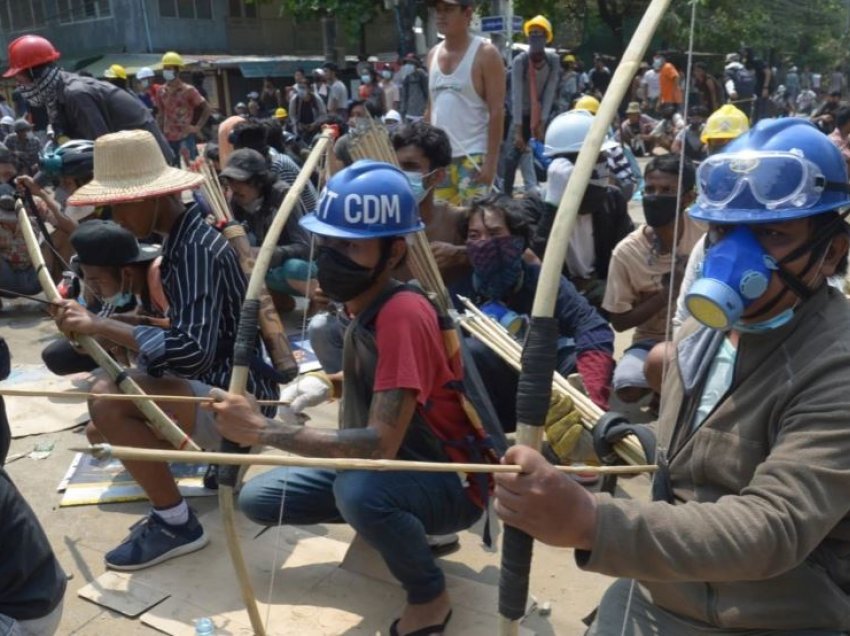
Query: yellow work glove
563	426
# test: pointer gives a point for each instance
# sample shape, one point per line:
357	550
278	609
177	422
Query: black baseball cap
107	244
243	164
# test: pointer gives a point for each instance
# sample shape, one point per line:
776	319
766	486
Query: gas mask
735	273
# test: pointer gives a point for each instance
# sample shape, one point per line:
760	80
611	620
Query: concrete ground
80	535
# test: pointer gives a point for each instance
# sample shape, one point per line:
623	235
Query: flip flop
424	631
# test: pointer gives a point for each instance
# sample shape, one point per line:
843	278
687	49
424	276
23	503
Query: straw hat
129	166
633	109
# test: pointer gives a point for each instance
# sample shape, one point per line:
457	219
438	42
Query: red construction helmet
28	51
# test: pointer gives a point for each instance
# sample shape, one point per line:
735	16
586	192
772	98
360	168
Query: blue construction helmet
782	169
369	199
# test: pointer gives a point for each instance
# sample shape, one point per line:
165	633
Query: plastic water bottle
204	627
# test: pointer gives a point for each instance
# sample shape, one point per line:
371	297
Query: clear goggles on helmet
774	179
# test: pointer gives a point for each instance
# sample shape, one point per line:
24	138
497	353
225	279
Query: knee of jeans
250	503
357	498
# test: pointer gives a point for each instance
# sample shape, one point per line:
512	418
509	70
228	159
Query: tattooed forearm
389	417
364	443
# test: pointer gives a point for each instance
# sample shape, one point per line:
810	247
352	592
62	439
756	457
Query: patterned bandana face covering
42	92
497	265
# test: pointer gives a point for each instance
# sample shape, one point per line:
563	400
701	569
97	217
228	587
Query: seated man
636	130
400	400
503	282
603	219
72	166
204	287
639	279
256	196
124	276
17	274
255	135
748	530
689	140
423	153
32	583
668	128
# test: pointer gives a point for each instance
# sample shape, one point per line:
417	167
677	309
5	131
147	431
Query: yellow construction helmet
588	103
281	113
727	122
116	71
172	59
569	57
541	22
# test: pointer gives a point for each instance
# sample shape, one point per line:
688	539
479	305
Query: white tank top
456	107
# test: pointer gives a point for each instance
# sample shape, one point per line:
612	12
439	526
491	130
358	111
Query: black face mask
594	199
341	278
659	209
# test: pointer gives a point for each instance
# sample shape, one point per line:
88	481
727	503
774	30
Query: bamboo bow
539	352
157	420
242	350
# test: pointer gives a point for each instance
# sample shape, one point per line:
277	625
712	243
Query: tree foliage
798	31
350	14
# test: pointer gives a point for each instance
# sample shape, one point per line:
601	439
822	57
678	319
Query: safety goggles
774	179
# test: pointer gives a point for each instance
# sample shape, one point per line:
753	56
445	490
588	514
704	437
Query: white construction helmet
567	131
144	73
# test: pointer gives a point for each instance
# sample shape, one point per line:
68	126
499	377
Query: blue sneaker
153	541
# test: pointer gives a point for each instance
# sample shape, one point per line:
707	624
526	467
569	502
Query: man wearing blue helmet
747	532
401	399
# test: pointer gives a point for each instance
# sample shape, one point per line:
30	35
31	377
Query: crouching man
401	399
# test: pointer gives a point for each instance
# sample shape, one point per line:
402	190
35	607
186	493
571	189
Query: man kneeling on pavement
401	399
747	532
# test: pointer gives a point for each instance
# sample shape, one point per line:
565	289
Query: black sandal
424	631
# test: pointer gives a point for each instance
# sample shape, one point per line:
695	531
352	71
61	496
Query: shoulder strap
368	315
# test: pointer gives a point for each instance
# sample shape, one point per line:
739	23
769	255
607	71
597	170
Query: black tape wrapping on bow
539	357
243	352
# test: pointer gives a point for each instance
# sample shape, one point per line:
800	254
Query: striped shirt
205	288
286	170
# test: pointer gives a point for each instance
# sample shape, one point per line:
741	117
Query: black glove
614	427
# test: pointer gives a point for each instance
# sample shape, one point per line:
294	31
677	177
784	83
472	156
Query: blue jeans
190	144
290	269
392	511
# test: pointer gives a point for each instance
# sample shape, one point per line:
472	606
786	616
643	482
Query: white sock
176	515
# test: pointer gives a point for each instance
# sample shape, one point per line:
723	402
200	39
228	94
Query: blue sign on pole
517	23
492	24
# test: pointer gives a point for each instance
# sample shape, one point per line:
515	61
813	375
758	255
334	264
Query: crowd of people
743	196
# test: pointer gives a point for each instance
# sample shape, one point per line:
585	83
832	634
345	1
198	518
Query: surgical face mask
366	78
169	75
496	264
417	184
386	74
735	273
659	209
145	83
657	63
254	206
120	300
766	325
407	69
340	277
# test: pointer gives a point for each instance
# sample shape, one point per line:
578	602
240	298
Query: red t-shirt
411	355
